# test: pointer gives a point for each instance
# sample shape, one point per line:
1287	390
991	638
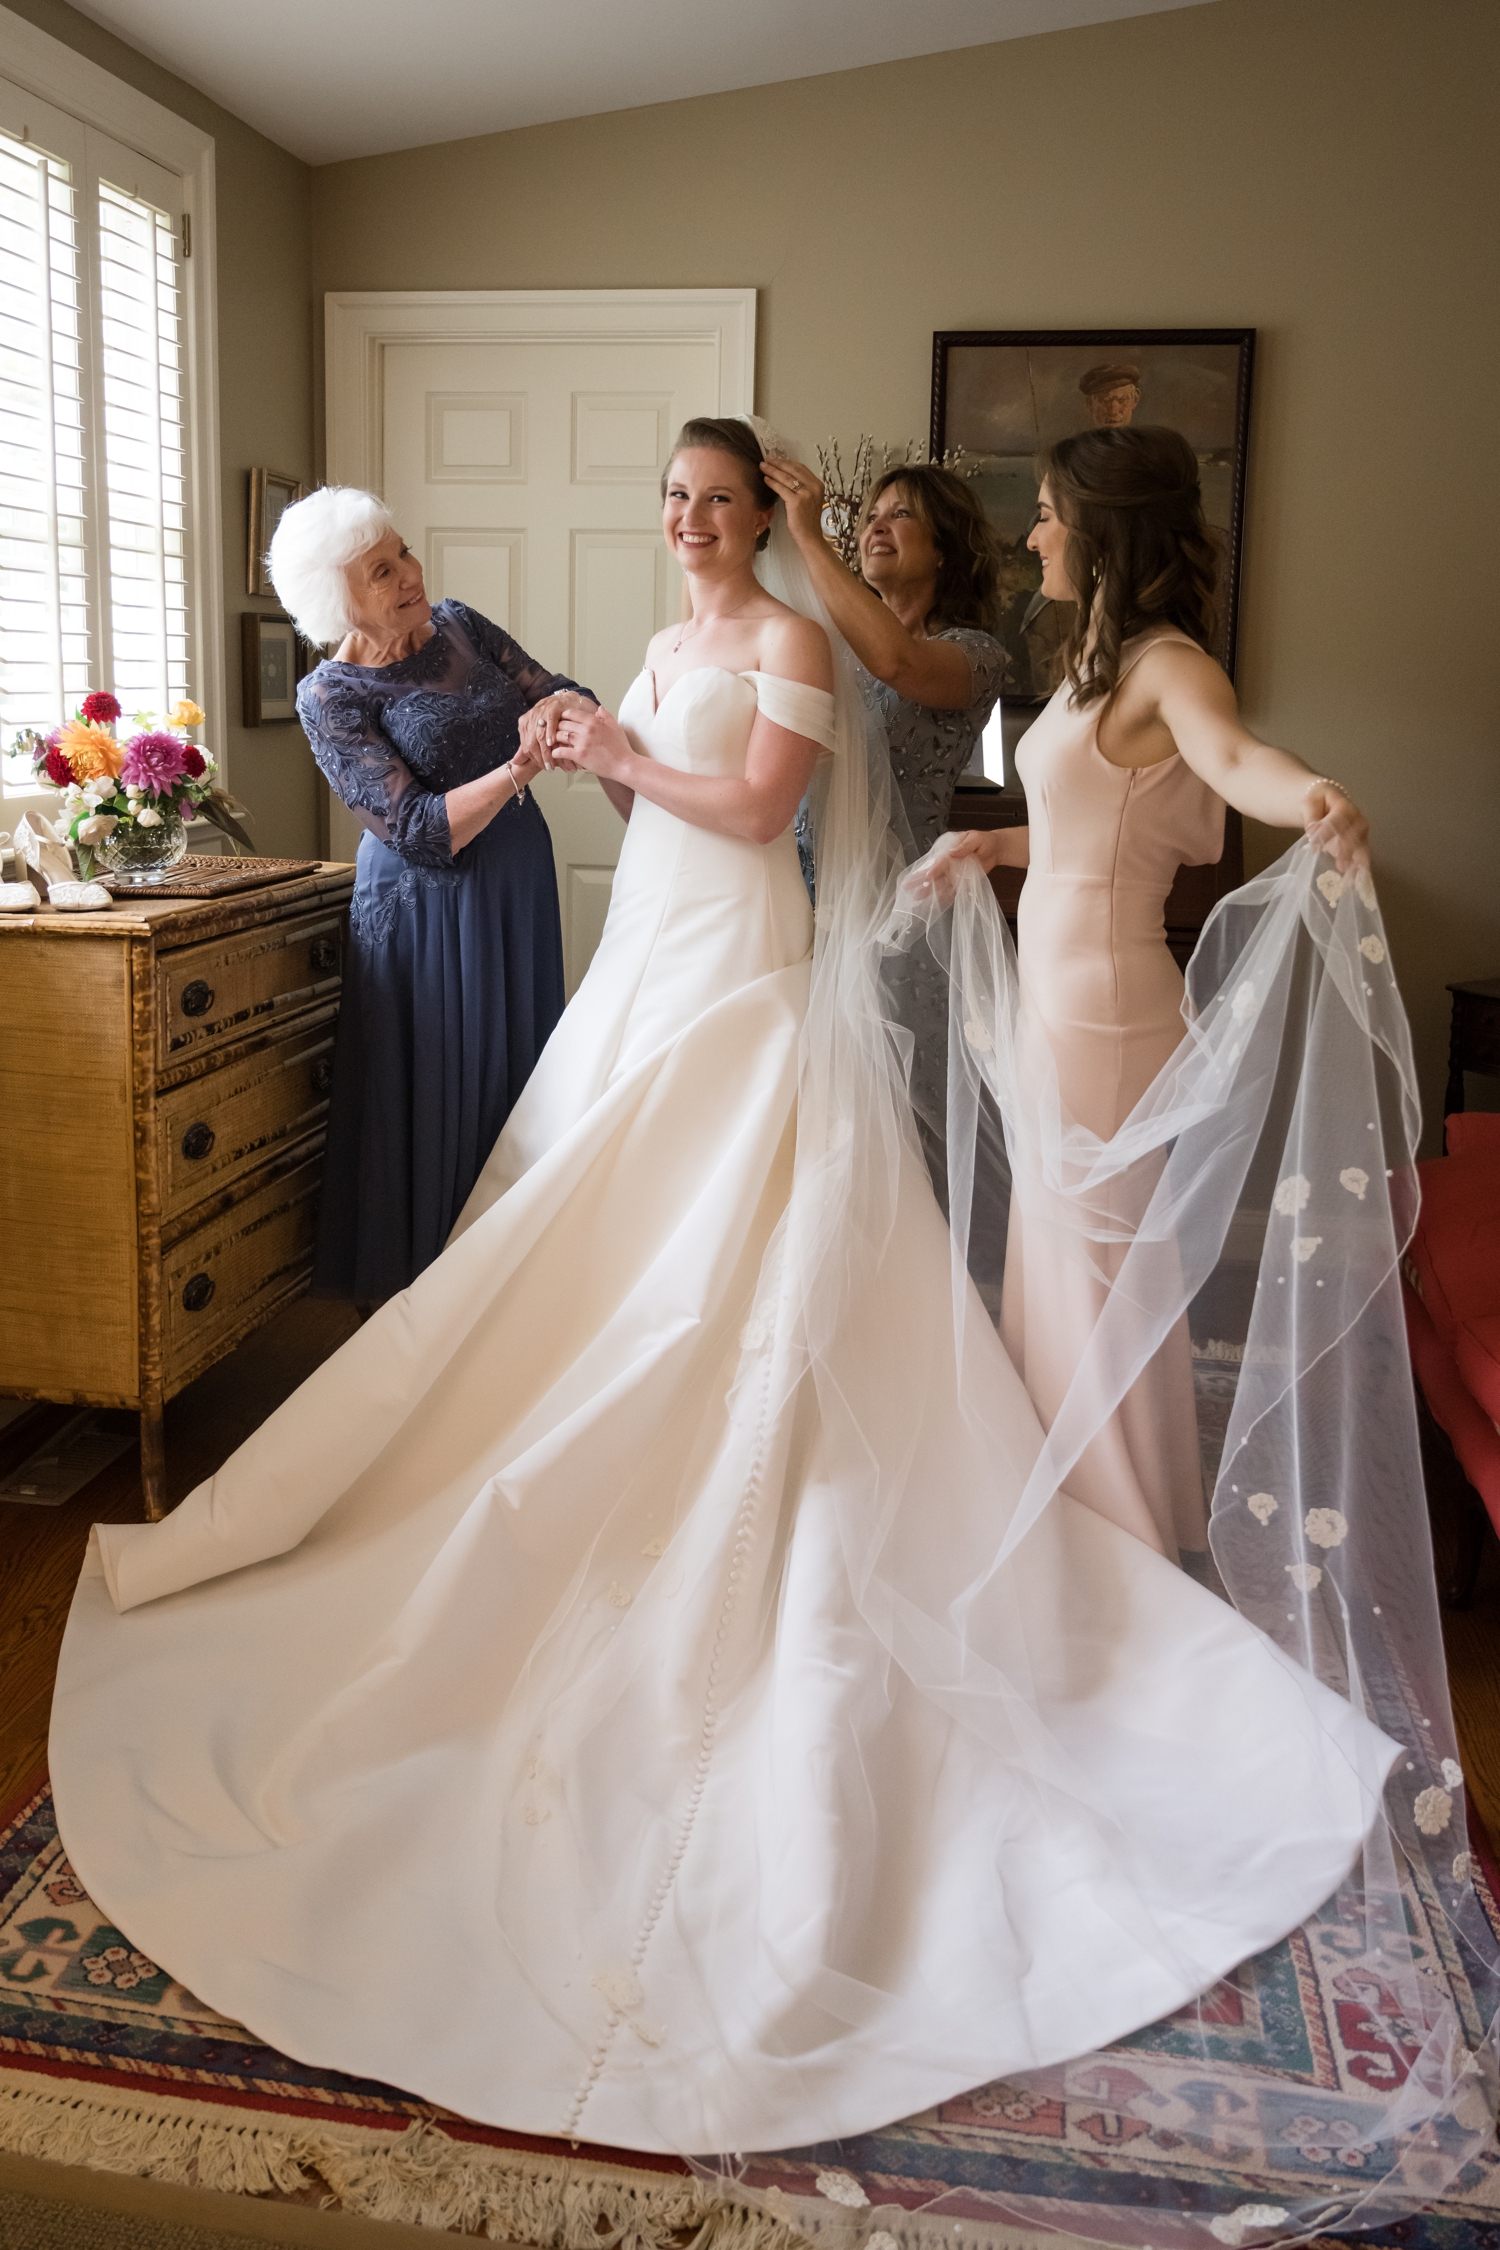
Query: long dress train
515	1716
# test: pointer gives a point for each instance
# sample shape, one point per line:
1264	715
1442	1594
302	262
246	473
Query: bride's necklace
686	631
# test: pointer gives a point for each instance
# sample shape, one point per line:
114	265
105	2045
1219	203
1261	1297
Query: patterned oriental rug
105	2061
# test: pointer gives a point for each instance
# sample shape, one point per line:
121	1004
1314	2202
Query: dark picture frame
1004	395
271	666
271	494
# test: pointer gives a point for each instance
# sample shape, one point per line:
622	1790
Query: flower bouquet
126	804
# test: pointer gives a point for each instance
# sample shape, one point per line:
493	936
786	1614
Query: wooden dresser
164	1077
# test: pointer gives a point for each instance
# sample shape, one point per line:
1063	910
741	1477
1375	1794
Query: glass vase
132	854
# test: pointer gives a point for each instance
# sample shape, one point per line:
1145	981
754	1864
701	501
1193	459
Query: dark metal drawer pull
324	955
197	1292
197	998
196	1142
322	1074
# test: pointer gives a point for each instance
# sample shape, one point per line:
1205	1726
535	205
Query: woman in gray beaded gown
424	723
918	619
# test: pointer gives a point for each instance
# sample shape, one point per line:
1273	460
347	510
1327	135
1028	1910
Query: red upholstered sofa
1451	1277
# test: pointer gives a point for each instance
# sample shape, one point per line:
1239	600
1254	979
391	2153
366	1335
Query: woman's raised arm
1196	704
933	673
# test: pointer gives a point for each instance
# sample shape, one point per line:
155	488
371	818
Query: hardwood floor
41	1549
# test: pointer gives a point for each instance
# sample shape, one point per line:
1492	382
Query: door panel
621	586
487	569
526	474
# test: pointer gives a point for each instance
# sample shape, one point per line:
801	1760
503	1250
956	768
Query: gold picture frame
271	494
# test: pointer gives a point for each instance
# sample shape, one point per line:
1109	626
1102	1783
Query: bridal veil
1263	1190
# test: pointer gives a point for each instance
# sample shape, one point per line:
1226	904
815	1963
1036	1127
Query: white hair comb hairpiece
770	440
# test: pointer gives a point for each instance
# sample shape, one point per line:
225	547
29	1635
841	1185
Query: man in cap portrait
1112	392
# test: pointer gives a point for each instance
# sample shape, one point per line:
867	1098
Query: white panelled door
522	459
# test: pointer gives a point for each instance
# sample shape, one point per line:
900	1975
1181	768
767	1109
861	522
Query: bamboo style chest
164	1080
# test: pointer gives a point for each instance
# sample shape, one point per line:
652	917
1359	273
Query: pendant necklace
687	631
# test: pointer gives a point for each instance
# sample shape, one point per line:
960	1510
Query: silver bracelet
520	791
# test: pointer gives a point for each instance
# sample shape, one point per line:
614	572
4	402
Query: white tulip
150	818
94	831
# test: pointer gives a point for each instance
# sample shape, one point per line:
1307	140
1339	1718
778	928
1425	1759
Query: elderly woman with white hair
426	722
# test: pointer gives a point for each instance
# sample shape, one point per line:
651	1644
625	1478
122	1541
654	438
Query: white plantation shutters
94	517
141	439
44	647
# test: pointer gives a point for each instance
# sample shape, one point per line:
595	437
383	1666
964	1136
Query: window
97	578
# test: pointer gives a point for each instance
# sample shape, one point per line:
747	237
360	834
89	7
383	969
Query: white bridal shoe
38	844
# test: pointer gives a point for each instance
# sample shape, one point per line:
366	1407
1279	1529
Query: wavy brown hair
968	581
711	433
1139	552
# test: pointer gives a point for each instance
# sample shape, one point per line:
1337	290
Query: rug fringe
419	2176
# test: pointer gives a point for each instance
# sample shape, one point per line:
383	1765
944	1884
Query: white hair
313	546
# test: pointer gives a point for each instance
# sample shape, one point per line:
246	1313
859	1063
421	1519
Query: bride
593	1701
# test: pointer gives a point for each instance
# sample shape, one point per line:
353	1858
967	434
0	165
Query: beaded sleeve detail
392	740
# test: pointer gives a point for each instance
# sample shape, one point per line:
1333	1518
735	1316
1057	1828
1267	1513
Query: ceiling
341	78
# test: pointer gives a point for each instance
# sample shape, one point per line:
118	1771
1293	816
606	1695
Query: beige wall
1324	173
265	387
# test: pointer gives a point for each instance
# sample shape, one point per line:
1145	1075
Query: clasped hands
567	733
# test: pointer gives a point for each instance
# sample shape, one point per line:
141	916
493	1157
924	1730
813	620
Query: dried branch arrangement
844	495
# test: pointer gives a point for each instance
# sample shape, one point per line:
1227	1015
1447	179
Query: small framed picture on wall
1005	395
270	496
271	667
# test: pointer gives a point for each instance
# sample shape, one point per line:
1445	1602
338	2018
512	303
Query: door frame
360	325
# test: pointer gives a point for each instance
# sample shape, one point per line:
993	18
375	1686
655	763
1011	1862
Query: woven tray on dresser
206	875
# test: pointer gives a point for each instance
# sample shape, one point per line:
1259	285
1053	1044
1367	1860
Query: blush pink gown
1101	997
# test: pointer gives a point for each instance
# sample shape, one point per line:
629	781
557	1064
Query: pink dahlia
153	761
101	707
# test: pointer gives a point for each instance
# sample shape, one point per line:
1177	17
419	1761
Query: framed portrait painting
270	496
1005	395
270	667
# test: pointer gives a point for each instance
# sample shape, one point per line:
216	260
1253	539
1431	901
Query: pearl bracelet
1326	781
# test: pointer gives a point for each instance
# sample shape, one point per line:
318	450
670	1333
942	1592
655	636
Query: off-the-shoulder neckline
696	670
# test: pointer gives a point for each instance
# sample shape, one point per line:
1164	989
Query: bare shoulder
1179	670
795	648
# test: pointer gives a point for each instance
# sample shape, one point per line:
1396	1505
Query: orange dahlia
89	750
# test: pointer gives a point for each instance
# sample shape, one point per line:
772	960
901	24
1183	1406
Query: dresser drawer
209	994
217	1128
228	1274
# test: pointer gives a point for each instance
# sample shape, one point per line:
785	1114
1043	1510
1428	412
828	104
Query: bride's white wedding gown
501	1721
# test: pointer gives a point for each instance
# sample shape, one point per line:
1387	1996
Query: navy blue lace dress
455	972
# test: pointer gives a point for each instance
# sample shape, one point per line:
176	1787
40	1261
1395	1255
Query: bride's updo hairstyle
968	581
706	433
1139	552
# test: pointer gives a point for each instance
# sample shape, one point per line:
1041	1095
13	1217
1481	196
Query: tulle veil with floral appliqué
1264	1187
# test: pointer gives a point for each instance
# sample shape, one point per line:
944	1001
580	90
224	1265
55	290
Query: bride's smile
709	514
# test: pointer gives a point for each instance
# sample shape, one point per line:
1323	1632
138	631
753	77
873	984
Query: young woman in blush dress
1127	773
